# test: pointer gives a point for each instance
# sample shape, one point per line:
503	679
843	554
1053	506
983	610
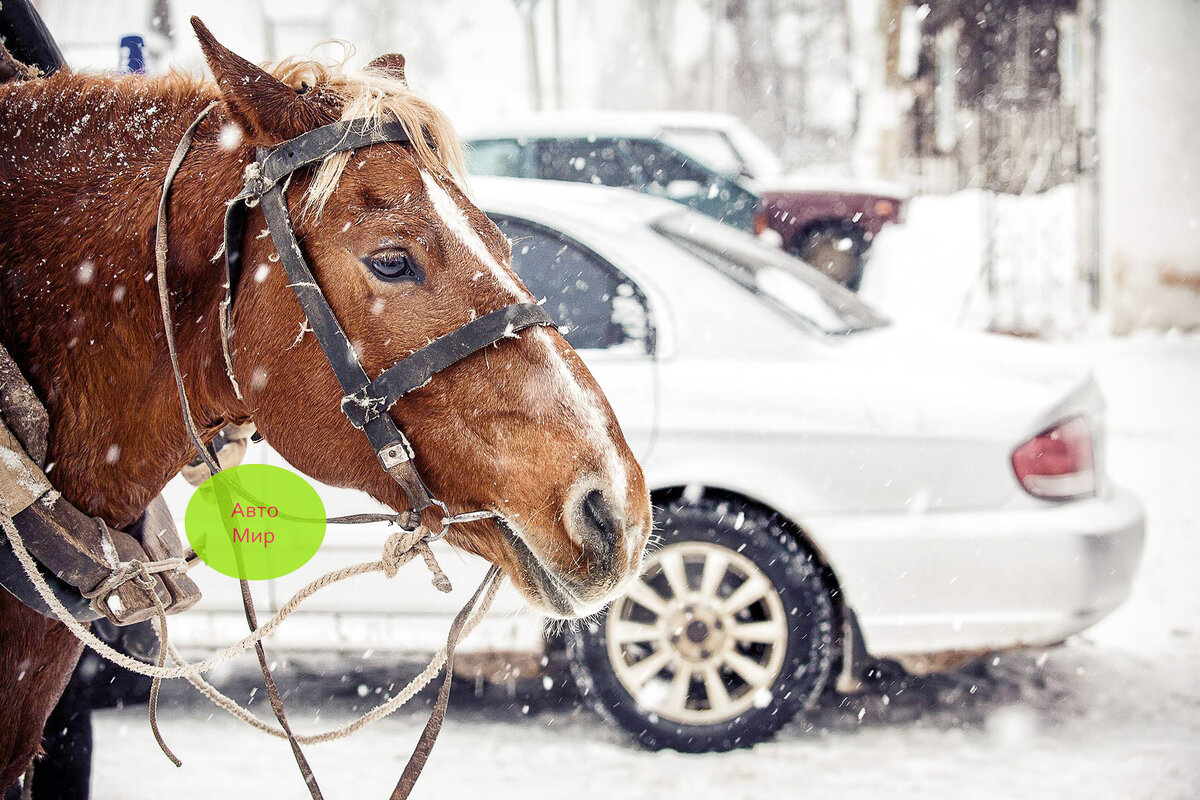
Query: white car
830	488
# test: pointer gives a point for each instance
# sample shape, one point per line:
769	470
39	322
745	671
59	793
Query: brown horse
521	429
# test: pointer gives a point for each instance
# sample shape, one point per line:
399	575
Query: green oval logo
255	521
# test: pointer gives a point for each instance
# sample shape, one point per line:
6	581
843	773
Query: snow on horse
403	258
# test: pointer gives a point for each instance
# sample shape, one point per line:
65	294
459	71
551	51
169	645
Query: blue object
133	54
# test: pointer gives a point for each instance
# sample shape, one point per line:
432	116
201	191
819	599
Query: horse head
404	257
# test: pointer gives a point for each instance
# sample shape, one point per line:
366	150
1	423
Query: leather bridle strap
365	401
374	399
433	726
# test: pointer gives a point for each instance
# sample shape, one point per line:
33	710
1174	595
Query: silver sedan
831	489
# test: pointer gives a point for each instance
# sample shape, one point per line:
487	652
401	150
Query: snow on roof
601	123
558	202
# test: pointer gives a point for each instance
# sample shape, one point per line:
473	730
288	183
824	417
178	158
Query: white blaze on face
460	226
562	382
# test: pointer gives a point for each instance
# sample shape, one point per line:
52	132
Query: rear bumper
984	581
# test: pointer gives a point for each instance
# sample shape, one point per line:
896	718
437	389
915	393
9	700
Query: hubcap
700	636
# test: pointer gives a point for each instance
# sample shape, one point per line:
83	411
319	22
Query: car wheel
836	250
728	633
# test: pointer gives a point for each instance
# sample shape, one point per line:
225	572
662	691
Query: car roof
575	204
600	123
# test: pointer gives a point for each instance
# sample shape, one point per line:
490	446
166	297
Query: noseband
365	401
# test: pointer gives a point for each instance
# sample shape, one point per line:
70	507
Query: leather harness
80	567
365	401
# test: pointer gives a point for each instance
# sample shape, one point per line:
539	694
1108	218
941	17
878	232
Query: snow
934	268
1115	713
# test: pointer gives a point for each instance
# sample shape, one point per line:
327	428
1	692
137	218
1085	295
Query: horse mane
372	94
362	94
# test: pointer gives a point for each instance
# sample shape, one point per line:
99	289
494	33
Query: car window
795	288
599	306
662	166
597	161
495	157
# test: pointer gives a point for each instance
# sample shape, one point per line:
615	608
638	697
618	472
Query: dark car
709	162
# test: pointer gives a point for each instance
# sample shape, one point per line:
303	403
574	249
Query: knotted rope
400	548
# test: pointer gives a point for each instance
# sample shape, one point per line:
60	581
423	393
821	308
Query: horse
403	257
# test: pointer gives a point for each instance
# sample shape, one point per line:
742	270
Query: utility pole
555	9
1087	120
526	9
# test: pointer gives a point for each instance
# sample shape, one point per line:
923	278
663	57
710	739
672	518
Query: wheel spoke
751	672
641	593
680	684
752	589
769	632
648	667
672	566
623	631
714	687
716	564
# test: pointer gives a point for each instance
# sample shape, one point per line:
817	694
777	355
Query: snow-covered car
830	488
710	162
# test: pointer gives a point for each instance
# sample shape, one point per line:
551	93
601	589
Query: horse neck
78	197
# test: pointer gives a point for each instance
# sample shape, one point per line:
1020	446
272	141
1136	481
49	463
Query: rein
365	402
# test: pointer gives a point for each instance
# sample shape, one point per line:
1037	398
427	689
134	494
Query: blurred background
1056	135
1027	169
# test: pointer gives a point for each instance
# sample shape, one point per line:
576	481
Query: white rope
419	682
400	548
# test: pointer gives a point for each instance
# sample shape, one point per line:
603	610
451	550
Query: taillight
1057	464
760	223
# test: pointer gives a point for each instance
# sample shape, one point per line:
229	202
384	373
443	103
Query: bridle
365	401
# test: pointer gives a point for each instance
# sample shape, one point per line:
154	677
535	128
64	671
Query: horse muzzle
603	557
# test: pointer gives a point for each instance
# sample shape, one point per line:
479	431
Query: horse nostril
601	516
598	532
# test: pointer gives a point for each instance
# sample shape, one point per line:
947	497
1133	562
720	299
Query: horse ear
389	64
259	101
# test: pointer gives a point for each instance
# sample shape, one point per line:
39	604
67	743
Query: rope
399	549
414	686
393	544
164	292
147	584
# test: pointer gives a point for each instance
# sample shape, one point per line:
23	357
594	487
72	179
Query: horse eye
394	265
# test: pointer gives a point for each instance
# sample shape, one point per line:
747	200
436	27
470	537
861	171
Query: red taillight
1057	464
760	223
885	208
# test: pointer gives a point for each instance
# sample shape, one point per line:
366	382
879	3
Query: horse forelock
374	95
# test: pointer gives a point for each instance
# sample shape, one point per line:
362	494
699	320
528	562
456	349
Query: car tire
751	664
835	249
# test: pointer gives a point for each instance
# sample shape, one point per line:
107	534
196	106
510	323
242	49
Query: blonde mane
375	95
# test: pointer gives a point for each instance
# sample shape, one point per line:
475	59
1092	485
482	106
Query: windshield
734	150
792	286
709	147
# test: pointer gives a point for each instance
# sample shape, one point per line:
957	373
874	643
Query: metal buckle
395	454
449	519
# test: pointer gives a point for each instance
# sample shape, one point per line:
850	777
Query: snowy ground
1113	714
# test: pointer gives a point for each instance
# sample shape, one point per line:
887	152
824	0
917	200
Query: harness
88	565
366	402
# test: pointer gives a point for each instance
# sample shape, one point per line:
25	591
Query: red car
712	163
